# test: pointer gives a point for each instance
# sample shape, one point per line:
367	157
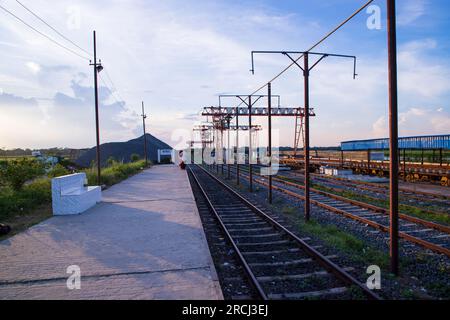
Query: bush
115	173
29	197
16	172
57	171
111	161
135	157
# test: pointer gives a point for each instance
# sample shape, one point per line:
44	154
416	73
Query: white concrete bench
70	196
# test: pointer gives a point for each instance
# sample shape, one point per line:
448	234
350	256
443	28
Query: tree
135	157
16	172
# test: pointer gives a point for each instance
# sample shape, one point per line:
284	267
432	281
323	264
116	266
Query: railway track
440	205
433	236
376	188
278	263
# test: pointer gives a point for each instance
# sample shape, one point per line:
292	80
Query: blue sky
178	56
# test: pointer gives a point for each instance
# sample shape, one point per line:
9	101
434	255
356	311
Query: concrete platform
144	241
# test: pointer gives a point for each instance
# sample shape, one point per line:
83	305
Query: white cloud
410	10
415	121
421	76
380	128
34	67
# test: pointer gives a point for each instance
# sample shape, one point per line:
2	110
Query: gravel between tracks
424	274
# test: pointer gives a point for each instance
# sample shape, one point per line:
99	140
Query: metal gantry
227	113
306	72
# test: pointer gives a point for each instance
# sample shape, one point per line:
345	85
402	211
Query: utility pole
306	144
393	135
250	144
144	116
237	145
269	151
97	68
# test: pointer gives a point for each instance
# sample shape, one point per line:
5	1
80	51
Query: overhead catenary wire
43	34
54	29
329	34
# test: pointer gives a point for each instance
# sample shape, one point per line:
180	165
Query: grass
32	204
24	220
345	242
115	173
288	210
405	209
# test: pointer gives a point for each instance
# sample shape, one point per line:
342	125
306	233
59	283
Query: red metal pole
250	146
393	135
269	152
306	146
229	149
237	145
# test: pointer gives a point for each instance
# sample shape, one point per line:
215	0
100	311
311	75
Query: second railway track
432	236
278	263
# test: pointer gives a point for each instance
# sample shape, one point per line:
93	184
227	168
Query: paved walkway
145	241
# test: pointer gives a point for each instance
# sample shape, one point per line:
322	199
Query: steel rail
380	188
378	199
371	207
371	223
368	206
324	261
247	269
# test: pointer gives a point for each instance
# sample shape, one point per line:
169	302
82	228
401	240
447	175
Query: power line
315	45
48	25
110	80
113	85
111	91
43	34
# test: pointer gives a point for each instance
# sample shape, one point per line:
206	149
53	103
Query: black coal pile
122	151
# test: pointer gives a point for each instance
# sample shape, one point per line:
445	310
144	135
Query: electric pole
393	135
97	68
144	116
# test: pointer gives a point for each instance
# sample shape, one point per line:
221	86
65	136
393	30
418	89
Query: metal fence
419	143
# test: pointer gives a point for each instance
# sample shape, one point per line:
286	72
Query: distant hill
122	151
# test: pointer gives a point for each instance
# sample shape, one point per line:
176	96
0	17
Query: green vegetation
429	156
25	189
135	157
405	209
288	210
15	173
346	242
115	172
57	171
